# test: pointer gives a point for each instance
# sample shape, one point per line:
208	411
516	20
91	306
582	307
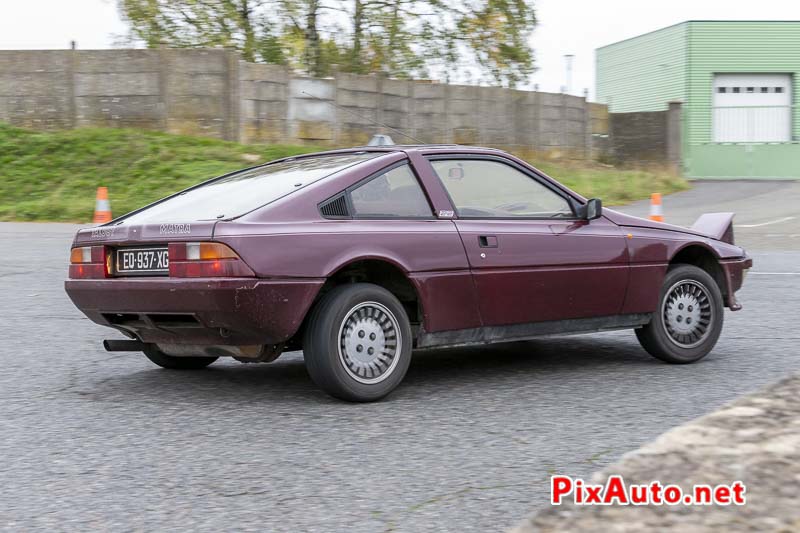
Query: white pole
568	60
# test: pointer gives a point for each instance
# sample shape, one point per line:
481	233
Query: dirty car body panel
466	273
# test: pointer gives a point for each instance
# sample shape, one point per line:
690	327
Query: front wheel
176	363
357	344
688	321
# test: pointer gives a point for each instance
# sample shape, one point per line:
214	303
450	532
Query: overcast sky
565	27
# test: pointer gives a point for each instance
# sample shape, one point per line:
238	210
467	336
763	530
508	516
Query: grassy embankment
53	176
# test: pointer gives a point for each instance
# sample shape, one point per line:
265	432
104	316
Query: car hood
715	229
621	219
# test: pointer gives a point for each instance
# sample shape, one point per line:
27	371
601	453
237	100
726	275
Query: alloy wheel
369	342
687	313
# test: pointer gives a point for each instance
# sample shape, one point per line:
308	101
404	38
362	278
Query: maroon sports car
359	256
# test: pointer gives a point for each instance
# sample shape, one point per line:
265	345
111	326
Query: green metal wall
747	161
643	73
738	47
679	63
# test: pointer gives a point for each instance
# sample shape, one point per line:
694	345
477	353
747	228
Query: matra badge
445	214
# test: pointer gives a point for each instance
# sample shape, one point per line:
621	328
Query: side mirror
593	209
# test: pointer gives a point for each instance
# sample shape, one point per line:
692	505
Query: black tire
670	345
176	363
327	345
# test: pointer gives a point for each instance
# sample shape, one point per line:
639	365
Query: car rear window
240	193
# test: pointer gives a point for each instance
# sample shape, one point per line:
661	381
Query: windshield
240	193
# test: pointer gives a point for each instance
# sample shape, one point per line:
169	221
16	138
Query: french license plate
142	261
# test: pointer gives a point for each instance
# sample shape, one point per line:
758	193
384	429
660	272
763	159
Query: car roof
423	148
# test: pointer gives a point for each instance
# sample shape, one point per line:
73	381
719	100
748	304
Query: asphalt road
92	440
767	212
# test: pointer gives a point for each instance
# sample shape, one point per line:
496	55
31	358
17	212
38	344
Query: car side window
483	188
393	194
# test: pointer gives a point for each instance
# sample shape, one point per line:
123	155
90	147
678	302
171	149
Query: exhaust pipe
117	345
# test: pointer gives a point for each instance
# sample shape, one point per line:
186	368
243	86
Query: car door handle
487	241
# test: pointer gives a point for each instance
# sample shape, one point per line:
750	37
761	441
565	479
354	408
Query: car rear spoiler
718	226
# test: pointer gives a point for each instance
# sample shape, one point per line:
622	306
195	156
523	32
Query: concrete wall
647	136
639	136
212	92
181	91
338	111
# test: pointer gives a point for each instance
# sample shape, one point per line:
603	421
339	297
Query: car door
531	258
392	218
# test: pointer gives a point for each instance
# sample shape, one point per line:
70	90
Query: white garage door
752	107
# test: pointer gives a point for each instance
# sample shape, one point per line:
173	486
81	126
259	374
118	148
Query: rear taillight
206	260
89	262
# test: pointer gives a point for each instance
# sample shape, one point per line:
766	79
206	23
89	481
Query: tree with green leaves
398	38
193	23
498	33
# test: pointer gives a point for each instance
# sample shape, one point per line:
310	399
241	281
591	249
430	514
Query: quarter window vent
335	207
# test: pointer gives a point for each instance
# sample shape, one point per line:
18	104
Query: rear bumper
227	311
734	270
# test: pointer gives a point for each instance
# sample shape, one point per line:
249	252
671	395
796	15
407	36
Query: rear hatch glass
242	192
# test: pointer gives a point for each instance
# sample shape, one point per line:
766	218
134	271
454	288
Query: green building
737	81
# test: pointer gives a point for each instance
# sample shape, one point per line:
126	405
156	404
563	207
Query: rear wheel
688	321
176	363
357	345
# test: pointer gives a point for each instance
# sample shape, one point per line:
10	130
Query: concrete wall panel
115	61
116	84
212	92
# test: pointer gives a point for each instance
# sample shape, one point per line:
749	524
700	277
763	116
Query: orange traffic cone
102	208
655	207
